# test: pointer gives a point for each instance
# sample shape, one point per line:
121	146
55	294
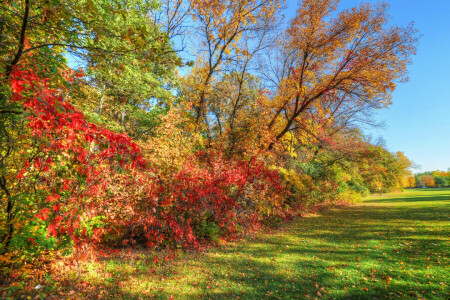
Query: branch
21	39
70	45
10	112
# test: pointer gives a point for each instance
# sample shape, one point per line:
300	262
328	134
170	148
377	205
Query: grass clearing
390	246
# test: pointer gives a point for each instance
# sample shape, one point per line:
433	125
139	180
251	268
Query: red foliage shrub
99	187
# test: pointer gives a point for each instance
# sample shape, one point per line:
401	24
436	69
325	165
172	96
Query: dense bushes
209	197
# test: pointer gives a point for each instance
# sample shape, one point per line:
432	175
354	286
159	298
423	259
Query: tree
384	170
428	181
348	60
237	119
107	38
411	182
440	181
222	25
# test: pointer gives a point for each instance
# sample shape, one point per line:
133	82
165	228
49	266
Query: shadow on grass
393	213
416	198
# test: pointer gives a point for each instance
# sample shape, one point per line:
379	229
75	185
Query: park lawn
390	246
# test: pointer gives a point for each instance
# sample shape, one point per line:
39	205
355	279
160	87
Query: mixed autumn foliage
127	150
436	178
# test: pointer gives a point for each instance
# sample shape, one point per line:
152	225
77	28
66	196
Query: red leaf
44	214
70	230
52	198
52	230
83	232
76	224
56	207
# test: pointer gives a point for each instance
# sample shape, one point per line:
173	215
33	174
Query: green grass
390	246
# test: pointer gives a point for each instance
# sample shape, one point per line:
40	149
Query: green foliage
359	187
209	231
442	181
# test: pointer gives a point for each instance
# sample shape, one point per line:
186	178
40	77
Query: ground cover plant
388	247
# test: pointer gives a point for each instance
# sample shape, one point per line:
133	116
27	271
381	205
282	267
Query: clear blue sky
418	122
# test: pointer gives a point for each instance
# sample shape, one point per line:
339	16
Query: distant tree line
430	179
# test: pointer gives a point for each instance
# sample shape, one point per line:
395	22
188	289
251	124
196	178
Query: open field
389	246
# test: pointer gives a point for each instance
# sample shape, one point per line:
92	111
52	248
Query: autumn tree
227	30
237	112
428	181
385	170
410	182
329	62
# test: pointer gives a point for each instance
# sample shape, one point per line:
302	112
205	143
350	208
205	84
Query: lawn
390	246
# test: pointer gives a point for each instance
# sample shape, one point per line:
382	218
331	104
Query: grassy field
390	246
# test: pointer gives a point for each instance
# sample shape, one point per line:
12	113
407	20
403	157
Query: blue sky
418	122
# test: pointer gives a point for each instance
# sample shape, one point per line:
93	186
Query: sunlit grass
390	246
